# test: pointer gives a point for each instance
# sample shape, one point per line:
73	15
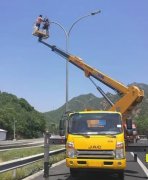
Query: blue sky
115	42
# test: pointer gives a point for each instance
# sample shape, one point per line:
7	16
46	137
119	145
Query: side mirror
62	127
129	132
129	129
129	124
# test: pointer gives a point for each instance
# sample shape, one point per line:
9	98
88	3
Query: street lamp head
96	12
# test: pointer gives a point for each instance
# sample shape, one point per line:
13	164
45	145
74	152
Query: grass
20	173
24	152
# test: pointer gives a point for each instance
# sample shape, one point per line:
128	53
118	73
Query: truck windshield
95	123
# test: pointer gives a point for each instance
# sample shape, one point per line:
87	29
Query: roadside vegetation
20	173
29	122
24	152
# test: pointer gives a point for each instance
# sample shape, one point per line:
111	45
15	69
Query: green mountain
89	101
17	111
31	123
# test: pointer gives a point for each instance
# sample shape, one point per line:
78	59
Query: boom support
130	96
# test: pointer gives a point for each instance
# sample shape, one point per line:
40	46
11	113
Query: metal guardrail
14	164
20	145
137	148
52	141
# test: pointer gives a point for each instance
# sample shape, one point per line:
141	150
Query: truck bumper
96	164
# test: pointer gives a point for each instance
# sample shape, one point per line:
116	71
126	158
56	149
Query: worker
46	24
39	21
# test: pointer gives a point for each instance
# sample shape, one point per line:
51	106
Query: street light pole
67	48
90	14
67	35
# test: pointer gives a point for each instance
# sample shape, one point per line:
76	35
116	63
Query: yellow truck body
96	148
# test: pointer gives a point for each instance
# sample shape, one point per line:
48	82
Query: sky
115	42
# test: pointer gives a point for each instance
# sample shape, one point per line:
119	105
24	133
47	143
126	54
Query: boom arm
130	96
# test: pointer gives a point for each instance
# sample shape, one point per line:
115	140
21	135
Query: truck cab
95	141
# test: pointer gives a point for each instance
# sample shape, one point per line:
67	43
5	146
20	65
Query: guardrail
14	164
15	146
53	140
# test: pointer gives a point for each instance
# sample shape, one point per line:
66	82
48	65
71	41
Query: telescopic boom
130	96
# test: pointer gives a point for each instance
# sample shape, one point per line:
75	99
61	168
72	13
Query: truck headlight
70	150
120	150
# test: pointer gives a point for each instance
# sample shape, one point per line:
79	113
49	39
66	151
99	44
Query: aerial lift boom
130	96
82	146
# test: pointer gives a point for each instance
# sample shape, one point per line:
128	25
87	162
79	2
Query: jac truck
96	139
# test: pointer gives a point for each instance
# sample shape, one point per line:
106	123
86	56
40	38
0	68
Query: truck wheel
73	172
121	175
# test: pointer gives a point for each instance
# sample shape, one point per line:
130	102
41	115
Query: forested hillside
89	101
29	123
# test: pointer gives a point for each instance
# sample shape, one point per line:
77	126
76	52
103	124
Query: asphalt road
61	172
7	145
141	155
11	142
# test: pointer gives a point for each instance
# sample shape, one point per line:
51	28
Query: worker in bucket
39	21
46	24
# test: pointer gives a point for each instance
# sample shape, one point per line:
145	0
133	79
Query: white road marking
141	165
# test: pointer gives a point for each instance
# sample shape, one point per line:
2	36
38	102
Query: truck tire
73	172
121	175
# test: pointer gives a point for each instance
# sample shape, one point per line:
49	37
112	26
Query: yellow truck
95	140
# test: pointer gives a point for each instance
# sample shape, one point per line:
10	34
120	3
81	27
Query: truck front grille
108	154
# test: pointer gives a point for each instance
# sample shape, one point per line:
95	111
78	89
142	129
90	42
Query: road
61	172
5	145
54	139
141	155
11	142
